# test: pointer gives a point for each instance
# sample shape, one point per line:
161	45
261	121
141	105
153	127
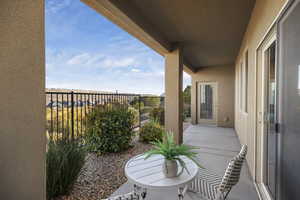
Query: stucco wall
263	15
22	102
224	77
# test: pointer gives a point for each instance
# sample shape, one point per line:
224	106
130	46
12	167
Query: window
244	84
241	87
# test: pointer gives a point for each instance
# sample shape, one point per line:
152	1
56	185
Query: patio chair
214	187
137	194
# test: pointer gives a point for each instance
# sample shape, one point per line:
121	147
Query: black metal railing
67	111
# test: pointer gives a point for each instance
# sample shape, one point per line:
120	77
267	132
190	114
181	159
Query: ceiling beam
123	14
188	68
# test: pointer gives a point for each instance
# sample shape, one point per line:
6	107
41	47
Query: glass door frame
265	75
215	103
267	131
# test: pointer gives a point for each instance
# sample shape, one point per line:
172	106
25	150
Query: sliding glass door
289	102
270	120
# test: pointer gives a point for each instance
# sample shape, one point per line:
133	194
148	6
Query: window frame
244	83
241	83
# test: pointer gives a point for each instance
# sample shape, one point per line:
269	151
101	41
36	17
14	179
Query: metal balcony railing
66	111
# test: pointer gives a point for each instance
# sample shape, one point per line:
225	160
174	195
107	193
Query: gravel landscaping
102	175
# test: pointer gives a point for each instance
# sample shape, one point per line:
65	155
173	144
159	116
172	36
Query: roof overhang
210	32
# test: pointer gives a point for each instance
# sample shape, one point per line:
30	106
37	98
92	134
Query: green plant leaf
171	151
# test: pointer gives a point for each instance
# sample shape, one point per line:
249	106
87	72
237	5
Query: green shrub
186	111
64	161
109	128
151	131
136	114
158	114
137	103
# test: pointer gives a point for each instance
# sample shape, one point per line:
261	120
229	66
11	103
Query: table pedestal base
181	192
142	192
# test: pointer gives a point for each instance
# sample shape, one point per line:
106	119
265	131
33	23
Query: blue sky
84	50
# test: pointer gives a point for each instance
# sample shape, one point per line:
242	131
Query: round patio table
148	174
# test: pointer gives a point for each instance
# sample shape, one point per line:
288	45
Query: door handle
277	127
266	117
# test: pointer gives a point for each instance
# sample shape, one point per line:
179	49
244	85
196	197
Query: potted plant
173	155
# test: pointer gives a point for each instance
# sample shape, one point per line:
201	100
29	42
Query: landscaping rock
103	174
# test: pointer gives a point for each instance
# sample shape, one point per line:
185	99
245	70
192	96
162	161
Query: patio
218	146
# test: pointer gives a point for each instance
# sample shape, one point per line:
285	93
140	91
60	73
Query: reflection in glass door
289	106
270	121
207	103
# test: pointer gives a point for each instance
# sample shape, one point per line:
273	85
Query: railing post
139	111
72	114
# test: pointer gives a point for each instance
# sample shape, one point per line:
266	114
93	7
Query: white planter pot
170	168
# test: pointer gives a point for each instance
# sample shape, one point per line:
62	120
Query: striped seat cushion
211	185
128	196
206	184
233	171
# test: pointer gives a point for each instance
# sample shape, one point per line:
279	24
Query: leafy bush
151	131
158	114
186	111
137	104
109	128
136	114
186	94
64	161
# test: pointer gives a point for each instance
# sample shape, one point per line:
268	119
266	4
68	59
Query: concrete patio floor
217	147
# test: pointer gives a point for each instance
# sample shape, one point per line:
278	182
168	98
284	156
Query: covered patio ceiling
210	32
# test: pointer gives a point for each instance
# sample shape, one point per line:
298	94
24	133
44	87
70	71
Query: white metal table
148	174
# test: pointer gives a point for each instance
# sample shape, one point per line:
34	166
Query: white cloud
79	59
103	57
187	80
135	70
99	60
95	59
186	76
114	62
49	65
56	5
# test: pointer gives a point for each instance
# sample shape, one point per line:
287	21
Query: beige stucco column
22	102
173	92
